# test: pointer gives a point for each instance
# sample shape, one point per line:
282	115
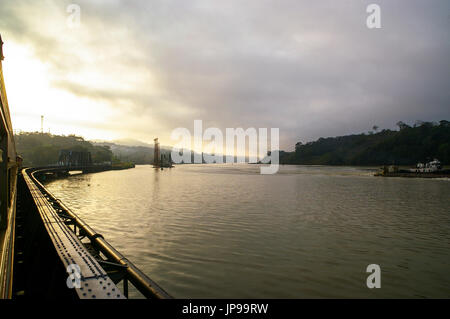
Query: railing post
125	286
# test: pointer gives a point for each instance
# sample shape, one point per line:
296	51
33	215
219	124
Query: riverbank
414	175
444	173
122	165
58	172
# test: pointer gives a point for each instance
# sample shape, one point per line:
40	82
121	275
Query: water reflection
227	231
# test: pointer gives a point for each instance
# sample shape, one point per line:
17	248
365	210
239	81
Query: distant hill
137	154
39	149
409	145
124	142
131	142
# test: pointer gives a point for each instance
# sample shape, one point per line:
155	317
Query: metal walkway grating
95	283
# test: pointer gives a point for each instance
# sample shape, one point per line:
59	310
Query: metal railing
115	264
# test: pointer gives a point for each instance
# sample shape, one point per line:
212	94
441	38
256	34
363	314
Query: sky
140	69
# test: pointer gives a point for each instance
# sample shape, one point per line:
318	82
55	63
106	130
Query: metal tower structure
157	154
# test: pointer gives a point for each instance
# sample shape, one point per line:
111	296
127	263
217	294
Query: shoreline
413	175
50	176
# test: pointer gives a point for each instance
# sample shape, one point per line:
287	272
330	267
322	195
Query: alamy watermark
209	146
74	278
374	279
74	18
373	21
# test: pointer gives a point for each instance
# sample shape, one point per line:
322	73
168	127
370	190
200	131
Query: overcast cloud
310	68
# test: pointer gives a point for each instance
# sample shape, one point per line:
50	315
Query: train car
9	167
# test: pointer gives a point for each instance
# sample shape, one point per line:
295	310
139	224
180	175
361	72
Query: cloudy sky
139	69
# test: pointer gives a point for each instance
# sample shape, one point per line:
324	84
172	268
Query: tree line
407	146
40	149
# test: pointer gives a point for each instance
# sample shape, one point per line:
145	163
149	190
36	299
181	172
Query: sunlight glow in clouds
31	95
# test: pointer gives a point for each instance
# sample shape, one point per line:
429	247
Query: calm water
224	231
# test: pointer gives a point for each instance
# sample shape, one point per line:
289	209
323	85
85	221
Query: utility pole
42	124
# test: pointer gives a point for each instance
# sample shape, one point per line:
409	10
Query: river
225	231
